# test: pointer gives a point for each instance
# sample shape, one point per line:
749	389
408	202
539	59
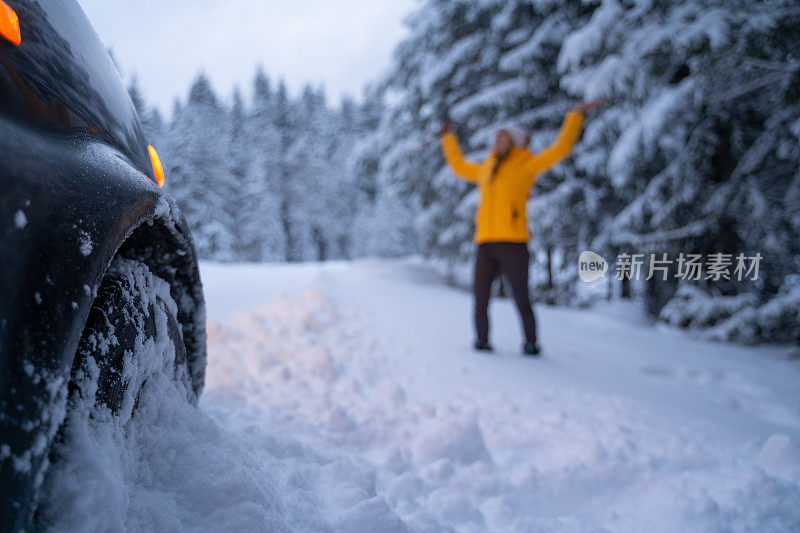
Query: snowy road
345	397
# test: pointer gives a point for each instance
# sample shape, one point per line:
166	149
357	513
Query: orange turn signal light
9	24
158	170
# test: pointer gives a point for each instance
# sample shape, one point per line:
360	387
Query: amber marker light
9	24
158	170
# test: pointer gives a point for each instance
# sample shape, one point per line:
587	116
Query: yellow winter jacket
500	216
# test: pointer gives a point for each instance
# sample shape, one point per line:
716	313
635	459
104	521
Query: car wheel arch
149	228
166	248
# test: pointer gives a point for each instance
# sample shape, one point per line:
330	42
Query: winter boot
483	346
531	348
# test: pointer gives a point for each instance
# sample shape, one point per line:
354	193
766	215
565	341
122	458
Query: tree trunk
287	230
626	288
319	239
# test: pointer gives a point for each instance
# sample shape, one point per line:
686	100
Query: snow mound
780	457
161	465
305	371
457	440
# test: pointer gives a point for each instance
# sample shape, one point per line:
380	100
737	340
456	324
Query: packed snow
344	397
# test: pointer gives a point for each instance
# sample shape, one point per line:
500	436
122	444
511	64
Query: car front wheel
132	347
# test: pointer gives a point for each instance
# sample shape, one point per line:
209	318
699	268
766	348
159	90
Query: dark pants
511	260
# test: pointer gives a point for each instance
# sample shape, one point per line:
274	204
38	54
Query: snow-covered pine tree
199	170
480	65
442	63
562	208
269	182
695	151
282	186
260	226
252	217
699	109
338	134
383	224
151	119
305	170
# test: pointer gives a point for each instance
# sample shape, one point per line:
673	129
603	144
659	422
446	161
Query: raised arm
562	146
464	169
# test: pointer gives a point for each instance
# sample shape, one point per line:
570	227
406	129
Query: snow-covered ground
345	397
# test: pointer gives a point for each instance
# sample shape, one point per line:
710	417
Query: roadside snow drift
353	404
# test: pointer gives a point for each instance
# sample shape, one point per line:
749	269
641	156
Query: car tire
132	331
132	334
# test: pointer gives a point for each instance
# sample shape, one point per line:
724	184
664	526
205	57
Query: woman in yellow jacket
504	179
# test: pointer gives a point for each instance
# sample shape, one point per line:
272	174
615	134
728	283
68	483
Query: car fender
69	203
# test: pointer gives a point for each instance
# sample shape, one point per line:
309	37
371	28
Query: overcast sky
341	43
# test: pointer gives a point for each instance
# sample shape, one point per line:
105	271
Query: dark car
95	259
